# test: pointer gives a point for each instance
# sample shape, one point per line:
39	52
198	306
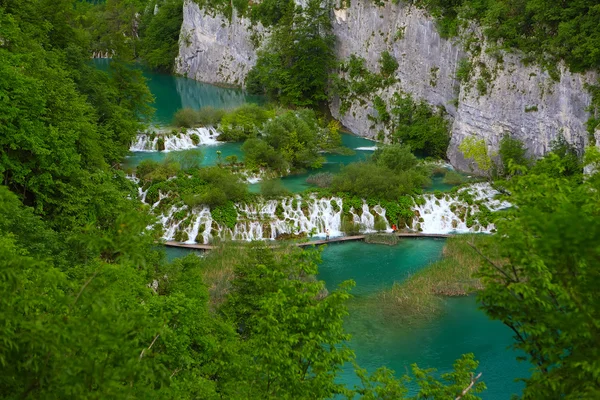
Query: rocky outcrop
213	49
500	96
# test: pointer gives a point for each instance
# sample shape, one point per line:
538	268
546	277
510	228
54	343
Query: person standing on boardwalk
326	234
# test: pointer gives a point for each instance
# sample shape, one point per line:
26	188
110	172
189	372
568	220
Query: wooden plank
321	241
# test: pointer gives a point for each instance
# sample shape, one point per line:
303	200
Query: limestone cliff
501	95
213	49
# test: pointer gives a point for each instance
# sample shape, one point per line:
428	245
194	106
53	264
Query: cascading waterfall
312	216
192	138
446	214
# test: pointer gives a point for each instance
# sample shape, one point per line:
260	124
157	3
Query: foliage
243	122
562	160
205	116
543	29
294	65
452	177
153	171
159	34
291	141
391	173
374	181
186	159
273	188
355	82
321	179
476	149
543	284
62	123
225	214
417	125
275	301
512	154
387	64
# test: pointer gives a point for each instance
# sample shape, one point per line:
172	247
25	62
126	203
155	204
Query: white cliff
523	101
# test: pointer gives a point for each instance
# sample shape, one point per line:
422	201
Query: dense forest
91	308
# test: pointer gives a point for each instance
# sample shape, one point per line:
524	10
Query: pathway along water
433	344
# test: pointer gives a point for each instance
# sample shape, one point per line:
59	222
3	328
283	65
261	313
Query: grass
422	295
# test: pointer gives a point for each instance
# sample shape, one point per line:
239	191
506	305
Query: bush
209	116
153	171
322	179
244	122
187	159
419	126
395	157
387	64
185	117
160	144
259	154
206	116
453	178
292	140
369	180
348	226
512	154
273	188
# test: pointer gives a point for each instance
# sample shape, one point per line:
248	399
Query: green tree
476	150
513	155
294	67
542	284
160	34
417	125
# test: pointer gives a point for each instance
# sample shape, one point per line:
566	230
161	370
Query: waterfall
192	138
447	214
313	216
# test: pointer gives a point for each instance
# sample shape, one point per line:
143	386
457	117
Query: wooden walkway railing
339	239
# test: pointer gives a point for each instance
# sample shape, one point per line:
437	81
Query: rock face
500	96
212	49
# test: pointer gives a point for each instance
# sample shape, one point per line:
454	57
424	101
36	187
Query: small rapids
317	217
192	138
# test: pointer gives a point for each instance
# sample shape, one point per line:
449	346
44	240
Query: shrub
387	64
322	179
348	226
452	177
419	126
209	116
185	117
273	188
187	159
244	122
512	153
292	140
195	139
160	144
395	157
369	180
463	72
153	171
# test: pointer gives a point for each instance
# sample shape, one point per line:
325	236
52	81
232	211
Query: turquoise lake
435	343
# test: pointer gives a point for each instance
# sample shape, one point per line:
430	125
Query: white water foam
314	216
174	142
366	148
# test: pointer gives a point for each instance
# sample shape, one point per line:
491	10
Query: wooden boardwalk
340	239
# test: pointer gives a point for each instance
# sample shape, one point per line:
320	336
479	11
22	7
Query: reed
422	295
